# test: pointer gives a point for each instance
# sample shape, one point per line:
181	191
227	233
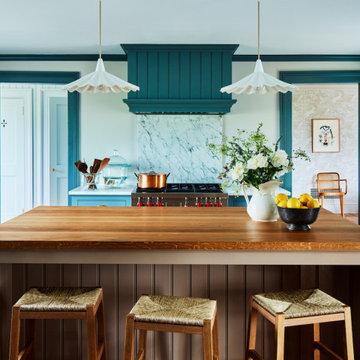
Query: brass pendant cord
100	29
258	29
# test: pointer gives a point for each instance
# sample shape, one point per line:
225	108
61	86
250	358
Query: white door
58	120
16	152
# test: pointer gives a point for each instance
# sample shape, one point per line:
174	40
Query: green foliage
251	161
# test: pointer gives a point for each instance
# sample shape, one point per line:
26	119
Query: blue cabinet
237	201
100	200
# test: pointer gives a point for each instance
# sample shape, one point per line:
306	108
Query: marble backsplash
177	144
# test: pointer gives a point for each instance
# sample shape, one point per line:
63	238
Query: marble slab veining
177	144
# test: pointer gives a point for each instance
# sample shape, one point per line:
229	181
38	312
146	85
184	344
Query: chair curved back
328	181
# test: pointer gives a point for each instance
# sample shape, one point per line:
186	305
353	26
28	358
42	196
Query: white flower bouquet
251	161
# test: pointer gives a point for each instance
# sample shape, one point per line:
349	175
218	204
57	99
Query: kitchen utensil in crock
103	163
152	180
81	166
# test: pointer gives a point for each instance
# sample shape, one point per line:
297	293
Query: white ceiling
288	26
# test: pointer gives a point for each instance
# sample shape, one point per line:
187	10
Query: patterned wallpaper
327	101
177	144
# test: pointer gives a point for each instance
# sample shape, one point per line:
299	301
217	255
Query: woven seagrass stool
172	314
300	307
59	303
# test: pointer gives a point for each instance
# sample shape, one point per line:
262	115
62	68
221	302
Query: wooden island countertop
111	230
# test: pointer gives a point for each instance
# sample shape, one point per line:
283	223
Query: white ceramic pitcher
262	205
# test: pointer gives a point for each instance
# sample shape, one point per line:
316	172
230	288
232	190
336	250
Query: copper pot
151	180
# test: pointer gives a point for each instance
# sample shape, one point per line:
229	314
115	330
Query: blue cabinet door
99	200
237	201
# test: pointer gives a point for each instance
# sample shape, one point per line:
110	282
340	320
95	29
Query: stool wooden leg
129	338
101	329
316	339
91	333
216	338
208	340
15	333
252	330
280	336
142	345
348	334
31	335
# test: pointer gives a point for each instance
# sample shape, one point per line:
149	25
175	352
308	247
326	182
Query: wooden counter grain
170	229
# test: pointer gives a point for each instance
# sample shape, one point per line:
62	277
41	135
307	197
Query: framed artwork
325	135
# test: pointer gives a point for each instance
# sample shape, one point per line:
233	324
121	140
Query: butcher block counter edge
70	228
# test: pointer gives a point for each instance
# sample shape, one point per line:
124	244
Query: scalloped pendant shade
259	82
100	80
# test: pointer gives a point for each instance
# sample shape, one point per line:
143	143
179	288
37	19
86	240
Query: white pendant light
258	82
100	80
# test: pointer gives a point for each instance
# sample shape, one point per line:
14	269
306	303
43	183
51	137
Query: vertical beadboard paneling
6	303
164	75
127	298
71	328
205	75
89	277
291	281
199	288
109	283
185	75
308	280
163	286
145	285
195	71
236	314
272	282
216	64
36	277
218	291
153	75
54	328
174	75
132	73
142	64
181	287
254	285
230	285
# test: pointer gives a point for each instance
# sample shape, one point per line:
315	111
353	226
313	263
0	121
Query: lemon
303	207
280	197
304	198
293	203
282	203
313	204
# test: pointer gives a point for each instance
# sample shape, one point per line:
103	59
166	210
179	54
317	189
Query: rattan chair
172	314
329	184
295	308
59	303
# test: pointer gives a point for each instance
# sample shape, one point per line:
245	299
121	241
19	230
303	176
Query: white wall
107	124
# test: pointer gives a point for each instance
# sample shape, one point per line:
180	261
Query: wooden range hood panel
179	78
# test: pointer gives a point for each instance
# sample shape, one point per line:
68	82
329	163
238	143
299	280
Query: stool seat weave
173	310
299	303
49	299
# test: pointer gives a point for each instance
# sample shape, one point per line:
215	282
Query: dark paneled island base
231	285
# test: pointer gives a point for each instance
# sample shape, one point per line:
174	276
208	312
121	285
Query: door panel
16	150
58	151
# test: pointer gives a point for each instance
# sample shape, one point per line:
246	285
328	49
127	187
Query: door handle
53	170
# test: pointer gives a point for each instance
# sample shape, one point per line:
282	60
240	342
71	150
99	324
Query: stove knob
198	203
187	202
218	203
159	203
149	202
139	203
208	203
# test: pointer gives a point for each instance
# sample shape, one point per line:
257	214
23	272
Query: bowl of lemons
298	213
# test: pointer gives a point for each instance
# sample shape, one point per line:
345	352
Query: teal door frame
311	77
56	77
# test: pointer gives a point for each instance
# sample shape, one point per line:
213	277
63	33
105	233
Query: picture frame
325	135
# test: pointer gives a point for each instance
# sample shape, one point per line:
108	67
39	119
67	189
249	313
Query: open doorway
285	105
65	104
34	147
334	107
